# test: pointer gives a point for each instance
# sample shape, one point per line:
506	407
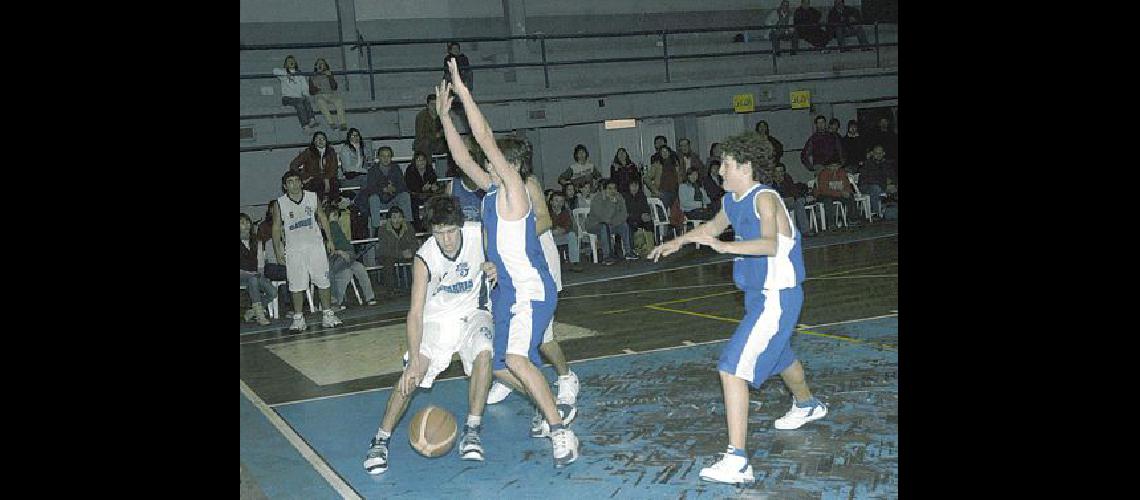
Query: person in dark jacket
384	188
317	166
807	22
421	181
637	207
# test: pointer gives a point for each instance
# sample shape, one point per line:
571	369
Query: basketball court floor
644	339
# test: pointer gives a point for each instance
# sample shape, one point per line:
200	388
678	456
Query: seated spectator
773	145
469	194
455	52
666	178
887	137
608	216
637	207
295	93
585	195
854	149
343	265
322	85
833	185
317	165
274	270
429	131
658	142
833	127
260	288
581	170
397	245
622	170
714	166
384	188
570	193
782	17
822	148
794	195
875	175
563	229
686	158
847	19
806	21
421	181
355	156
694	199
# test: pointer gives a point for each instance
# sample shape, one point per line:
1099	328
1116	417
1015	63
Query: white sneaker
797	416
729	469
498	393
565	447
568	389
329	319
471	447
298	323
376	461
540	428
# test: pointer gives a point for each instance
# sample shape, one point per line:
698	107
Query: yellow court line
798	330
689	299
837	273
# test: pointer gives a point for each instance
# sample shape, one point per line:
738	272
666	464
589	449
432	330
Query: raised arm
459	150
516	198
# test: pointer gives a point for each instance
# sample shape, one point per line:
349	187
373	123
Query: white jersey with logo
299	221
453	284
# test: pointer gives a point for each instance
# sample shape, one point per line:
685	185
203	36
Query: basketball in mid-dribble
432	431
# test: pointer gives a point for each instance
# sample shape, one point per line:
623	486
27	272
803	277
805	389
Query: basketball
432	431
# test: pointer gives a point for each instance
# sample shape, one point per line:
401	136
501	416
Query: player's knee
516	362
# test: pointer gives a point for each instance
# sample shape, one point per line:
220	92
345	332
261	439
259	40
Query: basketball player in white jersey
300	246
445	318
769	269
525	297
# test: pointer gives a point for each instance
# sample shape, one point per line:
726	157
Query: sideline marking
798	329
299	443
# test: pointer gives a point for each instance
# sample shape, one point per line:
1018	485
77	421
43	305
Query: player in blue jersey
525	297
769	270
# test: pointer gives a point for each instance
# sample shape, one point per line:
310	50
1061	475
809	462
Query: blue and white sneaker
470	447
797	416
540	428
376	461
730	469
565	447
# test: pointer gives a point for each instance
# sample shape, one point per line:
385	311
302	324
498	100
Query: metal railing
546	64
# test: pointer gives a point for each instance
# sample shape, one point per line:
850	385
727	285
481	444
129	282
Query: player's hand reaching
443	99
490	273
664	249
712	243
457	83
413	374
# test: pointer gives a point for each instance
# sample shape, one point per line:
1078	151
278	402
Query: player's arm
323	220
516	197
703	234
767	207
542	219
278	244
455	143
415	320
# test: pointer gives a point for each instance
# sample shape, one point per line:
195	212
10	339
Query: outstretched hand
457	82
443	98
664	249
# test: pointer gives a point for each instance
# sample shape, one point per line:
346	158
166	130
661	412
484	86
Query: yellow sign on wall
743	103
801	99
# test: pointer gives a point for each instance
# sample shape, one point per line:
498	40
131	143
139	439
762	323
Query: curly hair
517	152
747	148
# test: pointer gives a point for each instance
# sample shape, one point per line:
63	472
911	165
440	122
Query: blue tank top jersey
514	248
469	201
761	272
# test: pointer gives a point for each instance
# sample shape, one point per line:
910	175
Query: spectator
658	142
295	93
844	22
714	166
317	165
585	195
469	194
383	189
794	195
563	230
570	193
274	270
770	143
668	176
822	147
356	156
429	131
637	207
581	170
260	289
454	52
887	137
694	199
686	158
397	244
622	170
833	127
322	85
877	172
343	265
833	185
782	17
806	20
607	216
854	149
421	181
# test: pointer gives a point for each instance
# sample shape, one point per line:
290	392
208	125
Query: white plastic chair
861	200
660	217
273	313
579	216
814	210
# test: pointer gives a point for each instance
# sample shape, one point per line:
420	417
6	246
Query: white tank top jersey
299	221
453	284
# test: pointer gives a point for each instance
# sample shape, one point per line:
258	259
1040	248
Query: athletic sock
556	427
732	450
383	435
474	421
807	403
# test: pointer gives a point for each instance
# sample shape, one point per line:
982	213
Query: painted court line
684	344
314	459
800	329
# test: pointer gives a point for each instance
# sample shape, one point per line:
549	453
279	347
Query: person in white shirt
295	92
